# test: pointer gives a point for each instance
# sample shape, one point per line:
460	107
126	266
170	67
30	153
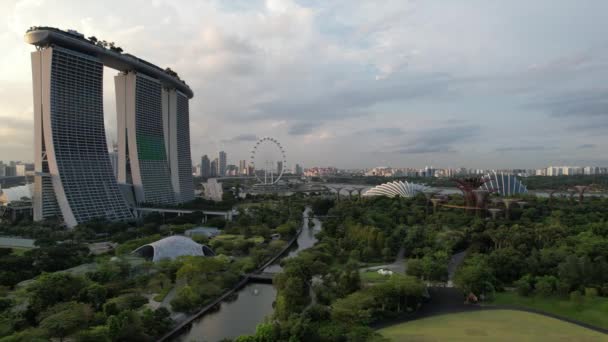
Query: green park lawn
373	277
20	250
591	310
490	325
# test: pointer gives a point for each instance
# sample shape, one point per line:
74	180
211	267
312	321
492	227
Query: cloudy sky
346	83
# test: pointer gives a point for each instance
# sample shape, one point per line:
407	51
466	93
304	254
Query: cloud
381	131
241	138
585	146
587	103
531	148
439	140
327	73
303	128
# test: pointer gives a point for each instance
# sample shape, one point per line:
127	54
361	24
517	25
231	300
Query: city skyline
368	86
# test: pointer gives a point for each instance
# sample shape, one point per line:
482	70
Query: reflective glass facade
74	158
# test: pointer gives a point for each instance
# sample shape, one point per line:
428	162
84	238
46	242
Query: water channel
254	302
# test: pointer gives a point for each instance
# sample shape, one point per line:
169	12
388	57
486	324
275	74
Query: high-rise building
176	121
74	177
73	172
141	138
243	167
298	170
279	167
10	170
2	169
222	164
20	170
215	168
205	166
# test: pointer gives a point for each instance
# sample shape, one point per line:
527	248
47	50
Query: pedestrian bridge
227	214
262	277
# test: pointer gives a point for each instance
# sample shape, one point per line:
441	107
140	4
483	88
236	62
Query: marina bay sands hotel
74	176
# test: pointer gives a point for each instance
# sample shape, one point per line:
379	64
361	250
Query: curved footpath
246	278
445	300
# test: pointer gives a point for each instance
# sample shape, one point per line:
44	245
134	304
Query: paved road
455	261
398	266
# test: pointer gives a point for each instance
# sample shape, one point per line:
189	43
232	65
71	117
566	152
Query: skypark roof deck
113	59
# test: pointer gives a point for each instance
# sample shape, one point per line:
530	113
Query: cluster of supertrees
477	198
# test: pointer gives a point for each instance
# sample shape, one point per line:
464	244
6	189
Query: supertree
467	185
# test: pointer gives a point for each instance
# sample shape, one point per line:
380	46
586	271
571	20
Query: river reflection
236	318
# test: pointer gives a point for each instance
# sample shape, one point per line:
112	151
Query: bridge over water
226	214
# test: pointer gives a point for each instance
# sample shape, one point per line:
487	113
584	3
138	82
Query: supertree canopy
467	185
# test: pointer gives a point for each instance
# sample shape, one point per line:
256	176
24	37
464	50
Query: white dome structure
397	188
503	183
16	193
172	247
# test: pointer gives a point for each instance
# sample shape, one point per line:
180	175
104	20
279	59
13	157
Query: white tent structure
397	188
172	247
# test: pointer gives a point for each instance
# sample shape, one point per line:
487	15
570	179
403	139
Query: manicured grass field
593	311
490	325
20	250
230	237
373	277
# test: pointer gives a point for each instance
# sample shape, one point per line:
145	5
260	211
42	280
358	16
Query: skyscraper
222	164
279	167
243	167
141	138
215	168
73	180
205	166
73	172
176	121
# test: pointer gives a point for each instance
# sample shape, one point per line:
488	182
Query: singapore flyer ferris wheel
269	160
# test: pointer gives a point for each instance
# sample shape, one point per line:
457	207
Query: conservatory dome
172	247
397	188
504	184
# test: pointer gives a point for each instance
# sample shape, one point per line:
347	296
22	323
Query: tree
186	299
95	334
474	275
94	294
52	288
415	268
507	264
525	285
126	326
355	308
156	322
67	321
546	285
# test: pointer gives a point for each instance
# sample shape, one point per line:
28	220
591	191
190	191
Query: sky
474	83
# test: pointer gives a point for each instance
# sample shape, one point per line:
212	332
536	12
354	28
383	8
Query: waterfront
253	304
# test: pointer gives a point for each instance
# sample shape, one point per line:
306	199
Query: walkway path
453	265
398	266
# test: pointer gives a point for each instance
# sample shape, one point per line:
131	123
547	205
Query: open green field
490	325
373	277
232	237
20	250
593	311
